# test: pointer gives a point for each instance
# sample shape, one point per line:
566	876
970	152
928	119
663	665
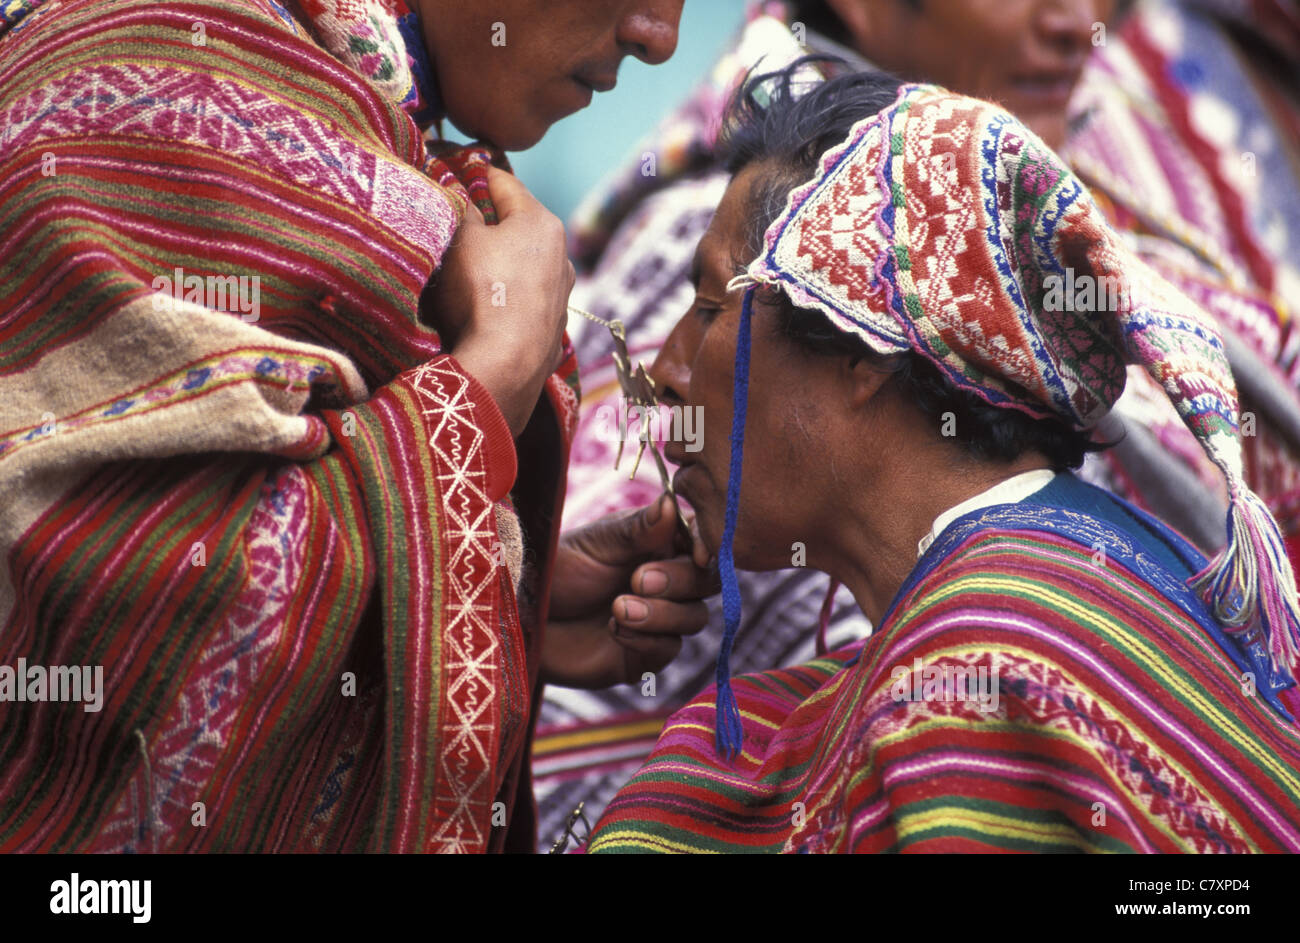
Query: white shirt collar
1013	489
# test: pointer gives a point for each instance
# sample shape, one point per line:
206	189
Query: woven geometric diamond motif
837	240
834	241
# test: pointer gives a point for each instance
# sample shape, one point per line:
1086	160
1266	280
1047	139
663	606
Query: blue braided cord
728	736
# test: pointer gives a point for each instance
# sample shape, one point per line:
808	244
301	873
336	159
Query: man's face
509	69
1027	55
780	497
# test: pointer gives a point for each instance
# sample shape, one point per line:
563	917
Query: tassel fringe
1252	577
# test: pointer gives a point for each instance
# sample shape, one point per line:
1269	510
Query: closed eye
706	312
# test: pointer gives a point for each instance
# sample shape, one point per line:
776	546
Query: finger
652	531
678	578
470	222
659	616
644	653
630	537
509	196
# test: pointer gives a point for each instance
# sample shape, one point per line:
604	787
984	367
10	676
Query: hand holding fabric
501	297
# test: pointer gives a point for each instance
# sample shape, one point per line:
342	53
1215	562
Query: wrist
509	374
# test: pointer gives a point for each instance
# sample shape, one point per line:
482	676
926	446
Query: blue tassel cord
728	735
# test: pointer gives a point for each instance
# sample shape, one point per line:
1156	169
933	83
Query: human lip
676	453
1049	88
682	480
581	97
597	81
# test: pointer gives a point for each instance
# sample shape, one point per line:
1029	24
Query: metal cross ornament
638	390
568	835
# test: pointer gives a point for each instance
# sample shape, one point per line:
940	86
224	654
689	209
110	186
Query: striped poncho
1043	681
240	475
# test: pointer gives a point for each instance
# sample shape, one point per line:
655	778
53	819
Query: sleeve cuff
502	464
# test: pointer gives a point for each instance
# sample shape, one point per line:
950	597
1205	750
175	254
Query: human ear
864	380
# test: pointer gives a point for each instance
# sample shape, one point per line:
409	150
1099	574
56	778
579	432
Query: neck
873	546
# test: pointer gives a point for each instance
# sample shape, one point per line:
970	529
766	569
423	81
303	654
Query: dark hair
785	128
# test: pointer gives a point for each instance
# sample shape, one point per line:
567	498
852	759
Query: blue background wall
578	151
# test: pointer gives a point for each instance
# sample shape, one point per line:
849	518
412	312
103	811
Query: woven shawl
277	536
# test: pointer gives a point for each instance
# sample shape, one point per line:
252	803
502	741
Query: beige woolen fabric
64	392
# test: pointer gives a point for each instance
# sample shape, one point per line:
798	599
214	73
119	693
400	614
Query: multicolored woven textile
1134	147
1104	711
240	473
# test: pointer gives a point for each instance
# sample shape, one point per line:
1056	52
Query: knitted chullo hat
943	225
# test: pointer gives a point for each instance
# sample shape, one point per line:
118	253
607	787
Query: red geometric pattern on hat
966	306
831	234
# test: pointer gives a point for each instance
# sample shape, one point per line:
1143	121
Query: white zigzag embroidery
468	743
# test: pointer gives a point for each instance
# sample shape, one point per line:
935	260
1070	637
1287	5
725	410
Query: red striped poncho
1043	681
239	473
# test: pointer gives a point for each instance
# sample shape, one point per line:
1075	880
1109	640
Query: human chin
521	136
693	483
510	128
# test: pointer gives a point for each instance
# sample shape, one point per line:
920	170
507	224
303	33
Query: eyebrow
738	267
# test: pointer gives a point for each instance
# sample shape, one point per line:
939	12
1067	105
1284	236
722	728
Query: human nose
1069	23
671	371
649	30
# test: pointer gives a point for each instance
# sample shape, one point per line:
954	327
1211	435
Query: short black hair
777	121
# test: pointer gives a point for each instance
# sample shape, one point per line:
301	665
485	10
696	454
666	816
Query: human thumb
656	526
639	535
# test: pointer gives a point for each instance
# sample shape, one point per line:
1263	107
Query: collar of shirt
1014	489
